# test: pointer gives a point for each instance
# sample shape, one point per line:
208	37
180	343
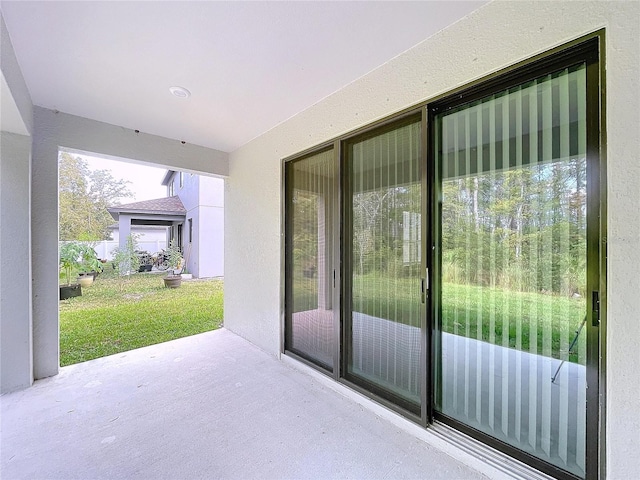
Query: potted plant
174	259
70	254
90	265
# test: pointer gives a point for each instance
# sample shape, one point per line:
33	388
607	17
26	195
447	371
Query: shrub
126	260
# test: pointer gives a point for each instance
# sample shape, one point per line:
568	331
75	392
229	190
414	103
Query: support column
16	357
45	256
124	229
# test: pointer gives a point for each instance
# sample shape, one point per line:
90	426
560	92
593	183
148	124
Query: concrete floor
208	406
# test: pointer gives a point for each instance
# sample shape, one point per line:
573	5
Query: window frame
346	178
287	267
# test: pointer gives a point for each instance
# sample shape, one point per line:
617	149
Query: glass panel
311	206
384	343
510	348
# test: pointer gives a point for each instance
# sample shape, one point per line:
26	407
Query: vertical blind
384	341
311	205
510	350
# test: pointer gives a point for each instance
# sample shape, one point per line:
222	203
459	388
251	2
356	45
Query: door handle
595	308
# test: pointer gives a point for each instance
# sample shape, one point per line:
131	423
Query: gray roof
167	205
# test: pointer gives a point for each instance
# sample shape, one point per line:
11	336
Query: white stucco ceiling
248	65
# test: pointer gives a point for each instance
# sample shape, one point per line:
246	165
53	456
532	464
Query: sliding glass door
511	349
447	262
311	213
382	222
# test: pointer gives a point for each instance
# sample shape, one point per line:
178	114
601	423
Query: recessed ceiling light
180	92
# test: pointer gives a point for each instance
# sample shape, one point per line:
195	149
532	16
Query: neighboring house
201	234
192	215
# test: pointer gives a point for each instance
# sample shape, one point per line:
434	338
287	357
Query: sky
145	181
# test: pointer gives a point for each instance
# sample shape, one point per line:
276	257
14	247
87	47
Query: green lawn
108	319
535	322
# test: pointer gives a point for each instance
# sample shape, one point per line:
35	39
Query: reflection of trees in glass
305	250
305	229
523	229
514	244
380	235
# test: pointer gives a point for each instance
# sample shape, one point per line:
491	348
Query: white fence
105	247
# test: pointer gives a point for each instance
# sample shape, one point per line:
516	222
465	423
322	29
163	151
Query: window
181	179
446	262
311	217
190	230
382	316
511	173
171	189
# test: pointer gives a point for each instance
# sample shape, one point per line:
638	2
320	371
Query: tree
84	198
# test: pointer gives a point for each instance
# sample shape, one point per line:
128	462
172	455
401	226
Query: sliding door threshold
497	459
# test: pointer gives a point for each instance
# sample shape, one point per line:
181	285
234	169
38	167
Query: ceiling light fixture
180	92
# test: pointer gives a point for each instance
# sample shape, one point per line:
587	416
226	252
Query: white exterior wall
496	36
189	195
208	229
16	367
203	198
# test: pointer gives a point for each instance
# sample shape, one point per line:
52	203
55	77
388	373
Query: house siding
203	198
209	228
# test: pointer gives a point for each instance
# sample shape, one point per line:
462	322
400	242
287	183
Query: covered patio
215	405
212	406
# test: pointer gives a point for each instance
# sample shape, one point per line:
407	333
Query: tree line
523	229
520	229
84	196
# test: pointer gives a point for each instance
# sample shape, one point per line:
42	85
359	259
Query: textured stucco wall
85	135
497	35
16	370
